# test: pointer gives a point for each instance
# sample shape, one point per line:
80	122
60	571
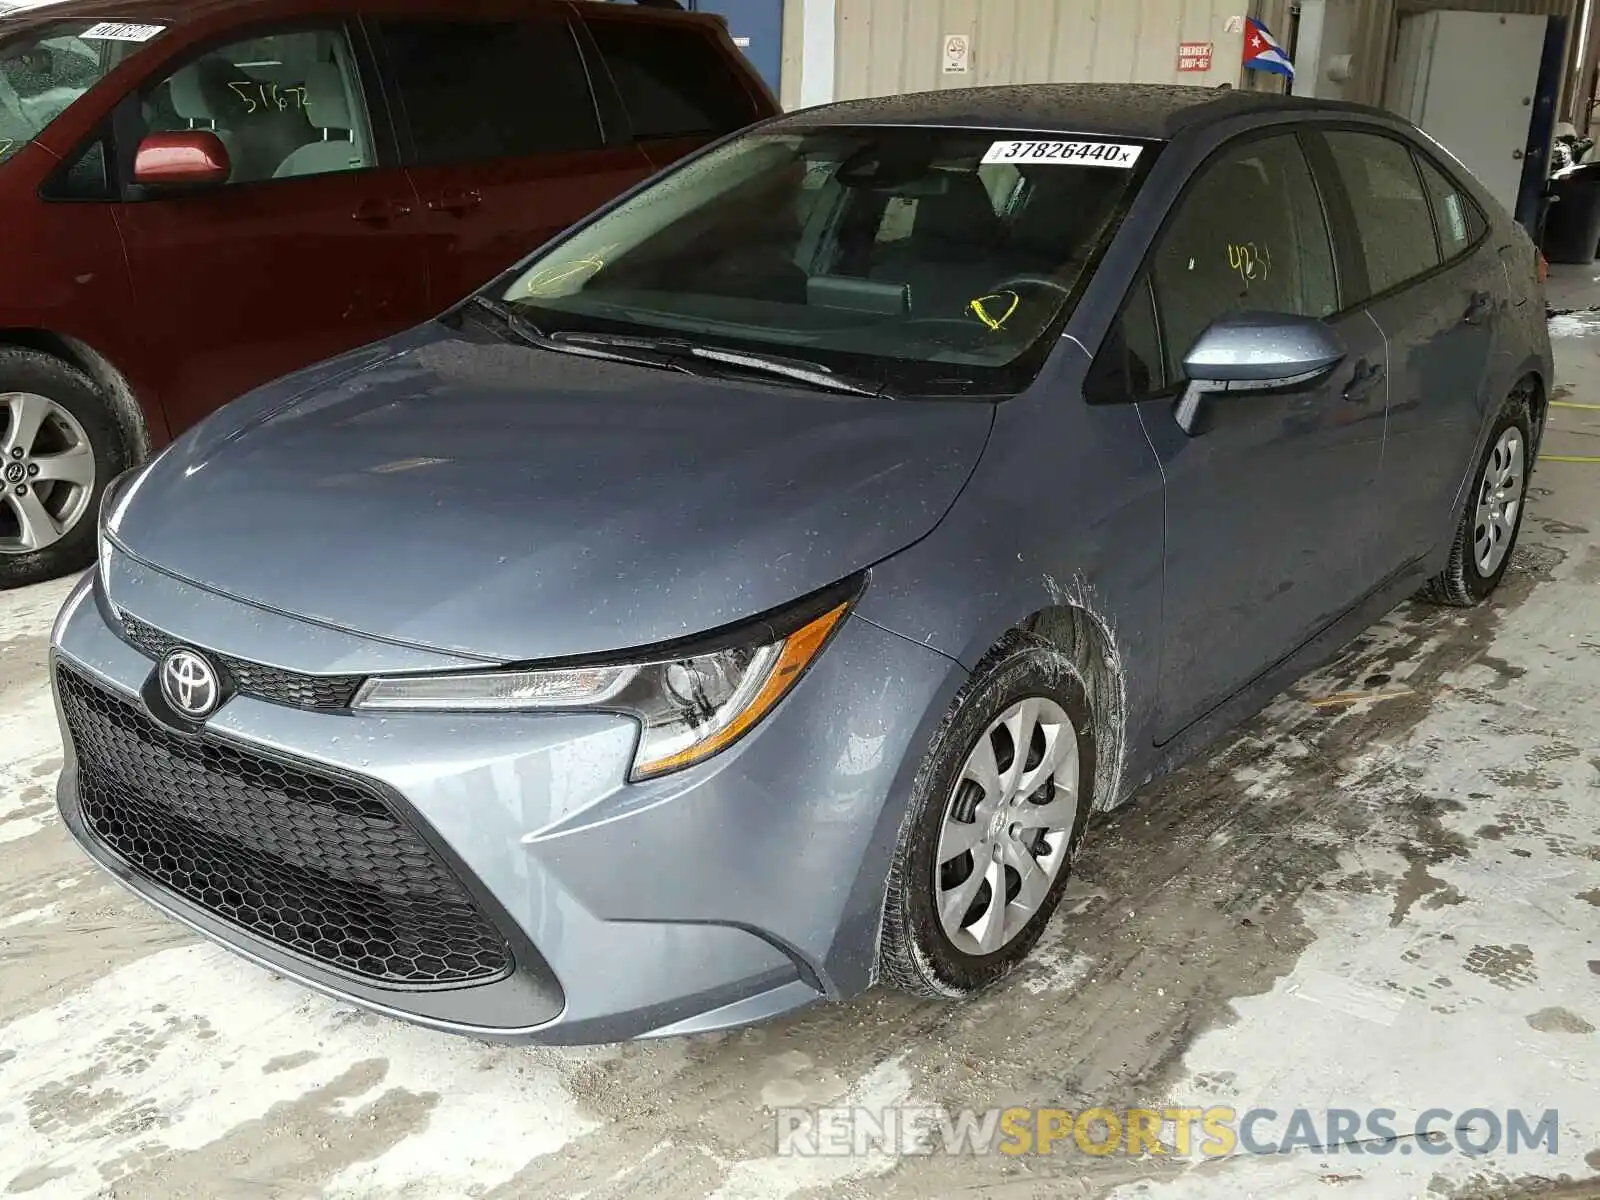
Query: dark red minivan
197	196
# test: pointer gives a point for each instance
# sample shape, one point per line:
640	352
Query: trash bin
1572	226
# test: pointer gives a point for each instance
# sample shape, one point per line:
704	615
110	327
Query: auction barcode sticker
1085	154
118	31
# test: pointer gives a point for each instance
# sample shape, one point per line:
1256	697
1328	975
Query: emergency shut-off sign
1194	56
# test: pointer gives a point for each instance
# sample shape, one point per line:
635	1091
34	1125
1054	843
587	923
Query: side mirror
186	158
1256	352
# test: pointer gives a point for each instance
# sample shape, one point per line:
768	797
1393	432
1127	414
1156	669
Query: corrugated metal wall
888	46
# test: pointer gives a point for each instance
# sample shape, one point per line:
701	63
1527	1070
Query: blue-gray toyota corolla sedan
750	595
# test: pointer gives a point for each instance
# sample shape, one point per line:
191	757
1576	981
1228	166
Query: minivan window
1460	222
475	90
47	68
896	267
1248	235
1393	221
672	81
286	106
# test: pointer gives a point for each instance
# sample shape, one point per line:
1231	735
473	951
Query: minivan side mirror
184	158
1256	352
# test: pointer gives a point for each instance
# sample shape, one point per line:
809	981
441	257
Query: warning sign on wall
957	53
1194	56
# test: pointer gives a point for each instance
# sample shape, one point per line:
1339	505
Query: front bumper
745	887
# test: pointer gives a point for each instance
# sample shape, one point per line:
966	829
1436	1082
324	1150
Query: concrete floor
1382	892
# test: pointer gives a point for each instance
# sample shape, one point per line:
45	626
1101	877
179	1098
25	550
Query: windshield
46	68
921	259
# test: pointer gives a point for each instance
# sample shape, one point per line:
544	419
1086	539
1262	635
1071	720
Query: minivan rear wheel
996	817
59	446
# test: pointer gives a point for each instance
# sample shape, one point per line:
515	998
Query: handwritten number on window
267	97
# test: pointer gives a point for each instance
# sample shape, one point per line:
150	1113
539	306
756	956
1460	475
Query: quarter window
1394	224
672	81
1461	223
1249	235
476	90
284	106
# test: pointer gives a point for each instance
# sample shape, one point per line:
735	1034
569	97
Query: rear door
1267	503
682	85
1422	255
312	248
501	133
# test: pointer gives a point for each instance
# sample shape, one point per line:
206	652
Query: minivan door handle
381	212
456	202
1478	308
1368	375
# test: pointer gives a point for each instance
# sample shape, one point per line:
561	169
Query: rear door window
673	82
1394	220
475	90
1460	222
1248	235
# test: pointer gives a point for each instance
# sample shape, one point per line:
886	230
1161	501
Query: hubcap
1500	494
1007	825
46	472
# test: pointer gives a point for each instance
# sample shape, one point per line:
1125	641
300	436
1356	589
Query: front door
1267	503
312	248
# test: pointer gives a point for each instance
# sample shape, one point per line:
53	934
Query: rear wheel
1493	515
996	817
59	446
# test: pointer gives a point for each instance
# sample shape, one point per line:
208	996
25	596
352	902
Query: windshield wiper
787	368
798	370
530	334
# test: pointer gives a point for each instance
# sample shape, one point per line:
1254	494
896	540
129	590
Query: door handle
456	203
1364	382
1478	308
381	212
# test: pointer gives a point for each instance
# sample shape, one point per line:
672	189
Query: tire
1469	579
77	425
918	953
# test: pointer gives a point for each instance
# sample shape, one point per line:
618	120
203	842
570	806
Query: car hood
485	498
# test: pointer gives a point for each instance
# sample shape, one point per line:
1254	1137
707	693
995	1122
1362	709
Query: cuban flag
1262	52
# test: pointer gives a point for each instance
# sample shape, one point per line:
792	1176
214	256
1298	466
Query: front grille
261	682
320	865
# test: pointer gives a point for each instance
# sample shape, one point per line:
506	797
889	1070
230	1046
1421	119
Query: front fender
1065	510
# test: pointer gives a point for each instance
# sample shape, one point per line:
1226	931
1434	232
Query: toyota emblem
190	684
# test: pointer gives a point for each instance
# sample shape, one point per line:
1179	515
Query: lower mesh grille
320	865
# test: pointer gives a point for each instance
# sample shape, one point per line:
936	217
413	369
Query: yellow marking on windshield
980	309
550	280
5	147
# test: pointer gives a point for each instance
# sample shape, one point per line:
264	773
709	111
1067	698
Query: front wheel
995	819
1493	515
59	446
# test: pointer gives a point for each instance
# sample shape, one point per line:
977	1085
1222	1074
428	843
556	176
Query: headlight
689	707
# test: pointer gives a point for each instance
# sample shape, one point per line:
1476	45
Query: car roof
1137	110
